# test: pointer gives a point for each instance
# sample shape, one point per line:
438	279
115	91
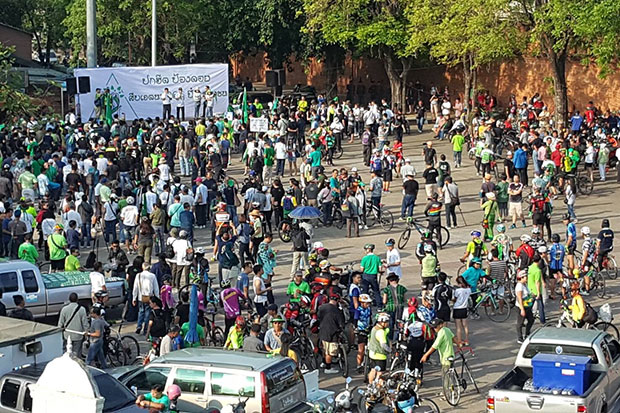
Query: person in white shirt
281	154
144	287
180	98
166	99
129	216
71	215
209	102
166	344
164	170
407	169
392	258
102	165
181	264
151	199
97	280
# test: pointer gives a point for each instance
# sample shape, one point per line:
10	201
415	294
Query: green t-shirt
316	158
443	344
429	266
28	252
502	191
371	264
163	400
534	276
199	329
72	263
57	244
270	154
104	193
303	288
457	142
27	180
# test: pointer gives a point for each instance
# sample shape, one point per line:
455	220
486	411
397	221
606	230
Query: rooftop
13	330
220	357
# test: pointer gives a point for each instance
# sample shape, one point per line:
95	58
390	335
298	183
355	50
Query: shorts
381	363
129	232
538	218
330	349
589	165
428	281
571	249
58	264
515	209
362	337
387	175
459	313
444	314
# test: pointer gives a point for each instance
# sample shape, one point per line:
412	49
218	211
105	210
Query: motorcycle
231	408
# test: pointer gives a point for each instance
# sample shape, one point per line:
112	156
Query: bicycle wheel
404	238
612	269
451	387
584	185
114	354
445	236
461	269
284	231
343	362
599	283
338	153
428	403
210	307
130	347
217	337
370	217
386	220
498	310
338	219
608	327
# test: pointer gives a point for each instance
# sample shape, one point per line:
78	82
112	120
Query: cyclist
416	330
433	212
502	242
429	269
370	266
556	263
537	239
425	239
578	305
444	344
571	240
604	242
378	345
525	252
524	304
475	248
473	275
234	340
587	251
362	323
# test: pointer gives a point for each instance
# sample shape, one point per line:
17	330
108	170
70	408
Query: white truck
513	392
46	294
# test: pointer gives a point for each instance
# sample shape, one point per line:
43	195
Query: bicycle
414	223
214	335
605	323
211	298
303	346
380	214
336	216
608	266
496	306
453	381
129	344
410	381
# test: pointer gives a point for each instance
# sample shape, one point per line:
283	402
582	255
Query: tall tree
13	103
469	33
375	27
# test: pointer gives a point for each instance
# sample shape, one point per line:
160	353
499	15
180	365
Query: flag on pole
244	106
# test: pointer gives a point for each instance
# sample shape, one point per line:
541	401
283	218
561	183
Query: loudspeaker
84	84
271	78
281	77
278	91
71	86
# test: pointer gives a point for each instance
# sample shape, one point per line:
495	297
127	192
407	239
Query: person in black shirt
20	310
430	180
604	242
509	168
157	319
430	154
420	112
331	323
411	188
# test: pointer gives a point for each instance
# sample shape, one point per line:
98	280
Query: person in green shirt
534	284
156	400
502	196
199	330
57	244
297	288
72	262
27	251
315	164
457	148
444	343
378	345
234	340
269	155
491	211
370	266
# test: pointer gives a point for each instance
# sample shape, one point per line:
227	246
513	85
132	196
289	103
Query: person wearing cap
331	324
273	336
604	242
524	304
362	322
297	287
491	211
370	266
129	215
410	194
444	344
57	244
234	338
515	209
393	297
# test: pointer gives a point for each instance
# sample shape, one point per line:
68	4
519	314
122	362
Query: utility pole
154	33
91	33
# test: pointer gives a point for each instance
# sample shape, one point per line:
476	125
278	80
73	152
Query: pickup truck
45	294
508	394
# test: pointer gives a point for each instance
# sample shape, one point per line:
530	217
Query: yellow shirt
578	308
200	130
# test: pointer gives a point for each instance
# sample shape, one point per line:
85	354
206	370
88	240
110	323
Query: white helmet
535	230
383	318
542	249
317	245
428	248
365	298
525	238
585	230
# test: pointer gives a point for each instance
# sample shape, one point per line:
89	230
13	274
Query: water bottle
134	389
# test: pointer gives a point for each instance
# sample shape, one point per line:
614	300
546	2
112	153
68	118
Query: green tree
376	28
13	103
469	33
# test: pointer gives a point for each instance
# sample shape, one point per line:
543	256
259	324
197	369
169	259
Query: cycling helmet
535	230
605	223
406	402
130	200
542	249
317	245
390	241
324	264
225	284
475	233
576	272
290	191
428	248
566	217
183	234
476	260
240	321
317	287
365	298
312	256
555	238
369	246
383	318
525	238
252	173
413	302
574	286
304	300
200	251
501	228
173	392
585	230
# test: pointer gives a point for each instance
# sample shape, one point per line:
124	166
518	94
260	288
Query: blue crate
558	371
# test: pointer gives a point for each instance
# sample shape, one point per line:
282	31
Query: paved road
494	344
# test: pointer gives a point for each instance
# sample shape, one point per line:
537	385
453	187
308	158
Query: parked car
211	377
601	394
15	391
45	294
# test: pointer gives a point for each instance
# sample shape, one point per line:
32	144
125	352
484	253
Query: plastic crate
558	371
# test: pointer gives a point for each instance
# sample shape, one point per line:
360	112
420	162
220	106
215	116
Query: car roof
568	336
34	372
217	357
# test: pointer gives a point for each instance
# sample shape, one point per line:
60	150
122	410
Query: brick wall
22	41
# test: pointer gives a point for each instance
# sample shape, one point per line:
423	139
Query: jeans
529	316
327	212
450	215
458	158
201	215
160	241
540	307
86	238
601	171
370	281
110	229
95	351
184	165
571	210
181	112
420	122
196	110
232	211
167	111
280	164
144	312
209	112
406	209
124	180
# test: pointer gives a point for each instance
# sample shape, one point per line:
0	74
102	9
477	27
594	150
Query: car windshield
116	395
567	350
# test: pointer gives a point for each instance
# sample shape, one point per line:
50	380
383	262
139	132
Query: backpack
539	205
591	316
287	204
365	138
478	249
299	241
230	257
169	252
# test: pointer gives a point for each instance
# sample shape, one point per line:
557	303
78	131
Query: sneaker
454	226
586	293
331	371
359	369
365	226
513	226
524	225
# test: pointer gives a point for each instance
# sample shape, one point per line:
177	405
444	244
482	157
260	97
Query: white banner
136	91
259	125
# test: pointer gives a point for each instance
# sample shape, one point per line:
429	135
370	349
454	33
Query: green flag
275	105
244	106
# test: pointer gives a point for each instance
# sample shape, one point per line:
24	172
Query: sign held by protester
259	125
135	92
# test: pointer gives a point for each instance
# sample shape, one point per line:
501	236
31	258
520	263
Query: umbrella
305	212
192	333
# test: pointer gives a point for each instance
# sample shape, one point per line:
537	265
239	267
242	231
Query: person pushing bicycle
444	344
